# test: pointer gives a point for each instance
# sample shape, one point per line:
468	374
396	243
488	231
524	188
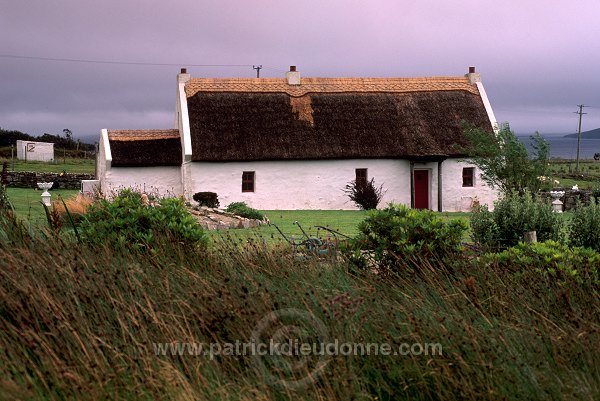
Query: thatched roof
329	118
134	148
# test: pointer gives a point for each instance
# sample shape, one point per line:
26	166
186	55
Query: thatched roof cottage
295	142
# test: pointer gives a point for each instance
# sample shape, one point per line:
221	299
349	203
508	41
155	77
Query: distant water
566	148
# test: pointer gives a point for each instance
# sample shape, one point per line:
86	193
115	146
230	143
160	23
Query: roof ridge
142	134
329	85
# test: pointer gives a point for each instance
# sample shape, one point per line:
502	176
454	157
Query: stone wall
29	179
571	198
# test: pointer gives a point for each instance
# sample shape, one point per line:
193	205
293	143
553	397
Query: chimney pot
184	70
471	70
292	68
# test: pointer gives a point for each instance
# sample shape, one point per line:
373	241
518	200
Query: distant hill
593	134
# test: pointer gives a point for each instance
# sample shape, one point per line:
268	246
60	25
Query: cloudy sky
538	59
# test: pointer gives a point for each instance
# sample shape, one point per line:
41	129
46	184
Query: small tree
208	199
504	161
364	193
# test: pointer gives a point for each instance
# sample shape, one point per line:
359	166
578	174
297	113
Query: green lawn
69	165
343	221
27	202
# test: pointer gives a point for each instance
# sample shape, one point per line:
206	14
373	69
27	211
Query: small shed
35	151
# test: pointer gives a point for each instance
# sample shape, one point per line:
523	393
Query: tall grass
80	323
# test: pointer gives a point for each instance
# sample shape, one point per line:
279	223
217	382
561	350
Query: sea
566	148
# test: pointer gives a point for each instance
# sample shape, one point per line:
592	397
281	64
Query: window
361	175
468	176
248	181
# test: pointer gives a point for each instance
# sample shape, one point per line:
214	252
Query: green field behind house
68	165
565	172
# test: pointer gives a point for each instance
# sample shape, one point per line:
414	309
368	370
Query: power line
139	63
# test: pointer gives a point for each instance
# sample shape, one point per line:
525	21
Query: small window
468	176
361	175
248	181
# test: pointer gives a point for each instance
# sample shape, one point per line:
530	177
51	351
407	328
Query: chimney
183	76
473	76
293	76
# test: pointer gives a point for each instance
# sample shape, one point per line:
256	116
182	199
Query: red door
421	189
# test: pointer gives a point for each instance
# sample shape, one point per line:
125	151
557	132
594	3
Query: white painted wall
458	198
312	184
318	184
163	180
35	151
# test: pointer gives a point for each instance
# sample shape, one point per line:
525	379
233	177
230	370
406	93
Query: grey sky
539	59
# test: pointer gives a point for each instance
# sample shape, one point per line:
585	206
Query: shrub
4	203
585	226
364	193
243	210
126	220
208	199
483	227
513	216
4	174
397	234
551	258
595	195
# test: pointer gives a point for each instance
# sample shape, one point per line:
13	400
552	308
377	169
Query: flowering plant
547	183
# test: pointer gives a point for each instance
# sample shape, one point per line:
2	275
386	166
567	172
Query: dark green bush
512	217
243	210
364	193
483	227
549	257
4	203
127	221
585	226
398	236
208	199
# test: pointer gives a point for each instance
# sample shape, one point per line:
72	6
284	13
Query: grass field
28	202
69	165
564	171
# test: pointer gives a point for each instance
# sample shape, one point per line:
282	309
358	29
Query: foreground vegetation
82	319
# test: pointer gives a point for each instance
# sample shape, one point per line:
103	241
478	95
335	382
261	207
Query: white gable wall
318	184
161	180
103	159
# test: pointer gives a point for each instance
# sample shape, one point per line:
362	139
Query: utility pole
257	68
581	113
